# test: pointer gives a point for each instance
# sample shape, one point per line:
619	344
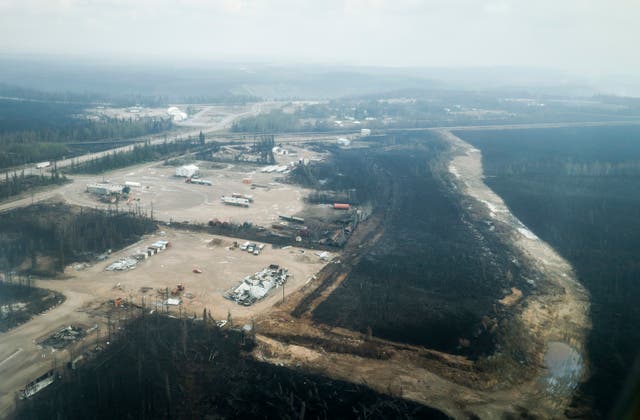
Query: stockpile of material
257	286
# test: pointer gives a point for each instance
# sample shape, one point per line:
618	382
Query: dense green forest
17	148
44	237
25	115
277	121
158	367
579	190
121	99
40	131
65	98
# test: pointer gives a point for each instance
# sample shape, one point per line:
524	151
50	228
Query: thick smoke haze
590	39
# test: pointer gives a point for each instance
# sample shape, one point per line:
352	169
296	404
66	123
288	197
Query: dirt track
558	312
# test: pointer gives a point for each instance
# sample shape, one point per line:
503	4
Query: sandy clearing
173	200
86	290
549	315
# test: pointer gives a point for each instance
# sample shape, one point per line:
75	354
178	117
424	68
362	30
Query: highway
185	130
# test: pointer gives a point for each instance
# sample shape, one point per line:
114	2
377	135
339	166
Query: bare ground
23	359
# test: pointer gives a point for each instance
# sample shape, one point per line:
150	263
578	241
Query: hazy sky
581	36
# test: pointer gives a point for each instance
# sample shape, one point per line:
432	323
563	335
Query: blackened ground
168	368
20	300
61	234
579	190
433	275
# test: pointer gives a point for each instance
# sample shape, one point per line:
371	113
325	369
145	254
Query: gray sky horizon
591	39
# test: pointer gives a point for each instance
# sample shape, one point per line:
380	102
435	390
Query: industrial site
188	265
191	231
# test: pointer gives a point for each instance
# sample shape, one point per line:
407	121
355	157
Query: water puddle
564	368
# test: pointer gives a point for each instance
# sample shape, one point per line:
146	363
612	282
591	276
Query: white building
105	188
365	132
176	114
187	171
343	141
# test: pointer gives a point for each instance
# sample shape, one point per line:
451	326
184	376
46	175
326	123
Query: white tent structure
176	114
187	171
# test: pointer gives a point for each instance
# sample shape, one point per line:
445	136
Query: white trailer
233	201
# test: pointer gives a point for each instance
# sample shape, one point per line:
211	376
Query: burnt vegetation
579	190
43	238
20	299
434	276
159	367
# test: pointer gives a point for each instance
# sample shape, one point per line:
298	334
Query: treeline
23	115
17	184
13	91
159	367
83	130
138	154
221	99
124	100
277	121
52	143
552	165
64	234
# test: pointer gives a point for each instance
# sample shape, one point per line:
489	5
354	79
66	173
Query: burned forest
159	367
347	209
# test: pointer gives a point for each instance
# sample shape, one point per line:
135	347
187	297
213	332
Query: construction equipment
178	289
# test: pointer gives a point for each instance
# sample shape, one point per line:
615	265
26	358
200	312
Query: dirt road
22	359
